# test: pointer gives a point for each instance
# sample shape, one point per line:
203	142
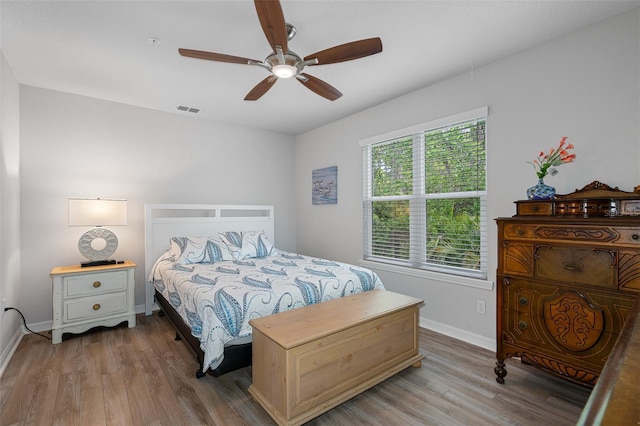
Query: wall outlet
480	307
4	304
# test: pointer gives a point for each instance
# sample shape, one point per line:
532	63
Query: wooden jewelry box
594	200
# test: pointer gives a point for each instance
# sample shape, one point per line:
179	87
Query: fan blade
261	88
272	21
318	86
199	54
347	51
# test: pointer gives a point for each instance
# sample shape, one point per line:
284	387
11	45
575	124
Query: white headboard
163	221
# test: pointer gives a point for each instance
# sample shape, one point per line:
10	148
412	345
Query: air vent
188	109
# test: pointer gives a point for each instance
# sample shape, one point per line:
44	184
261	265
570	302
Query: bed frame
163	221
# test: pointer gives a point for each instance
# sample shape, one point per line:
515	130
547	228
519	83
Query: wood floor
141	376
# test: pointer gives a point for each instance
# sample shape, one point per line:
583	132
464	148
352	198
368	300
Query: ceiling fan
284	63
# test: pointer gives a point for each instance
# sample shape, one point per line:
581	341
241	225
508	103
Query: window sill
430	275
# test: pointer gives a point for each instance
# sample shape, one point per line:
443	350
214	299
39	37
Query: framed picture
324	185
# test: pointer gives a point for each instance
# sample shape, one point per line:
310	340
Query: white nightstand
84	298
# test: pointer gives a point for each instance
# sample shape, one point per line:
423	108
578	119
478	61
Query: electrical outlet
480	307
4	304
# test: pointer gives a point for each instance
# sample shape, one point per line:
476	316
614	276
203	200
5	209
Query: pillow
199	250
233	241
256	244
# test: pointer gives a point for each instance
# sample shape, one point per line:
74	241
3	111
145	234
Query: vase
541	191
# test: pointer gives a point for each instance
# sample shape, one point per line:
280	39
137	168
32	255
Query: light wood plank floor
141	376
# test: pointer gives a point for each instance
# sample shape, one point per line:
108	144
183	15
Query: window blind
425	198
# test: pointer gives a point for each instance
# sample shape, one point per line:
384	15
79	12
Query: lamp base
88	250
98	263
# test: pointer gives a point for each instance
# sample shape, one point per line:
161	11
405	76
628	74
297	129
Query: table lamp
97	244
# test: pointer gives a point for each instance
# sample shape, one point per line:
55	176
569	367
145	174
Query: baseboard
10	349
458	333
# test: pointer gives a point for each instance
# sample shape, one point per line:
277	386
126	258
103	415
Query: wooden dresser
565	285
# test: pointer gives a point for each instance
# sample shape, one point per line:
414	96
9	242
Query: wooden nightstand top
77	269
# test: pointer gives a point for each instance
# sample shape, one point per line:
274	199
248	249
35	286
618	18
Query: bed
213	268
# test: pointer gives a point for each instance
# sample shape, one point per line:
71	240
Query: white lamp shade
97	212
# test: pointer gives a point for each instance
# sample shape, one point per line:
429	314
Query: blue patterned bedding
218	299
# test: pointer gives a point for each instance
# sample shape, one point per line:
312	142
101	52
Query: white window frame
466	277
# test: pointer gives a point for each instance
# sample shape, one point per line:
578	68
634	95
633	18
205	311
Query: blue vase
541	191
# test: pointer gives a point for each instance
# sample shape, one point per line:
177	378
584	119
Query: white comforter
218	299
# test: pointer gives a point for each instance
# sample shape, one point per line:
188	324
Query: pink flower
555	157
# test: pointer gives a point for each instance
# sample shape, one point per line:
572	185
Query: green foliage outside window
444	198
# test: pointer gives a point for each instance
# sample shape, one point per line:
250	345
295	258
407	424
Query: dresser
566	282
84	298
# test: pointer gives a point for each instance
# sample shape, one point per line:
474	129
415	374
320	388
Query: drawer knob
523	301
96	306
97	284
635	236
520	232
522	325
534	208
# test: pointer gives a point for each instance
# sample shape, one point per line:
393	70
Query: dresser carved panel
565	286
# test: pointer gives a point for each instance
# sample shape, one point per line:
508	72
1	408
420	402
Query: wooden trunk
309	360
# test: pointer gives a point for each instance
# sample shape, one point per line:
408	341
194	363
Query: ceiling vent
188	109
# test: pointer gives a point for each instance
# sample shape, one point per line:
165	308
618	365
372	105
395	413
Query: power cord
24	322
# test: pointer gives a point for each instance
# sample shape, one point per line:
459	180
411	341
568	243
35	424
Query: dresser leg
500	371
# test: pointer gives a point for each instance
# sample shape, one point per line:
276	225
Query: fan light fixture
97	244
284	71
282	62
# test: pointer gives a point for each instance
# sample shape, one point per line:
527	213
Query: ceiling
101	49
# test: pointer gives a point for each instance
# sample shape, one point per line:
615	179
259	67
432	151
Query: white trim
10	349
460	334
434	124
431	275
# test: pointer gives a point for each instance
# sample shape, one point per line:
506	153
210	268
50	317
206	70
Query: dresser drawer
94	284
567	233
535	208
590	266
564	319
629	236
95	307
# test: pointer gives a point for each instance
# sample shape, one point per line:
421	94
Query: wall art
324	188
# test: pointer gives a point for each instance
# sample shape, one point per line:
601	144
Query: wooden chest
565	288
309	360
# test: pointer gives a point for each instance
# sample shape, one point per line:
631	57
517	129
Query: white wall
78	146
585	85
9	209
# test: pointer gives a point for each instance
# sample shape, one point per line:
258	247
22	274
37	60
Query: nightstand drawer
94	284
95	307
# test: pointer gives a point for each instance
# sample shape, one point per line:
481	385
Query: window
425	196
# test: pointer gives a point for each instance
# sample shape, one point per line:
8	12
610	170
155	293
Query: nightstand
84	298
